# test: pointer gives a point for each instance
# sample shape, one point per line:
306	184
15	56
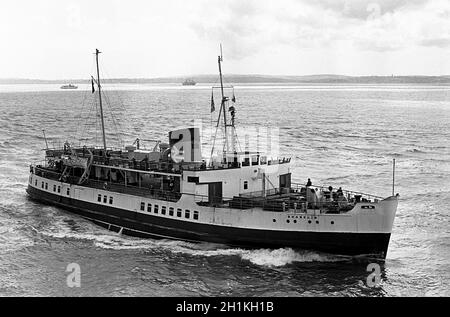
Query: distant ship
69	86
239	198
189	82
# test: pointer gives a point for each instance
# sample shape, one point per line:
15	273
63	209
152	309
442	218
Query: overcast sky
54	39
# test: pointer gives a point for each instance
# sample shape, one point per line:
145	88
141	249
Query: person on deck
309	182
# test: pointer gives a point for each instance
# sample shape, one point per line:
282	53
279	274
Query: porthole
288	221
332	222
295	221
317	222
309	221
274	220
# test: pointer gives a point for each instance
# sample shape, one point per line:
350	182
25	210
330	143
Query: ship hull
149	226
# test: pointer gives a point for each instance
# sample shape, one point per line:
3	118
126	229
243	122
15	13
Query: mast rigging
97	52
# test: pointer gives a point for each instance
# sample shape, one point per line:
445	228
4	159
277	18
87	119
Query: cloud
437	42
177	36
247	27
366	9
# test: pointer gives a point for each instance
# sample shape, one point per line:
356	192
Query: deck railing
110	186
348	194
289	199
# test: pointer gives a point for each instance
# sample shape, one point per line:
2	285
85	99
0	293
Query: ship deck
294	199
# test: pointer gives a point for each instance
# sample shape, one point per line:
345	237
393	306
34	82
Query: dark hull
149	226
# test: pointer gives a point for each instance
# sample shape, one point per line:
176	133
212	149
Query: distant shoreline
253	79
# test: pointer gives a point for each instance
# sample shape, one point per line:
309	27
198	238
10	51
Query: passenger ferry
238	198
189	82
69	86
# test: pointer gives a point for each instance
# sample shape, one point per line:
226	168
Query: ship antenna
222	105
393	177
100	100
45	138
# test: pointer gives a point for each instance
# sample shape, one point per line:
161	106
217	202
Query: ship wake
62	229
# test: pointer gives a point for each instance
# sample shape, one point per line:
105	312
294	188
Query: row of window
170	212
295	221
56	189
105	199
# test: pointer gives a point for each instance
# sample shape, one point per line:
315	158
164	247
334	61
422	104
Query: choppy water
338	135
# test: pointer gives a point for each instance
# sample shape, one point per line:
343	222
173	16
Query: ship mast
224	99
228	127
100	100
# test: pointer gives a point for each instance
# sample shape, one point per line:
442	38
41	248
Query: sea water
337	135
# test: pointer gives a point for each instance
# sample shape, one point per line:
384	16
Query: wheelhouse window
156	209
54	188
163	210
179	212
68	191
192	179
59	189
171	211
195	215
46	186
187	214
105	199
42	184
263	160
245	184
111	200
99	198
35	182
142	206
149	208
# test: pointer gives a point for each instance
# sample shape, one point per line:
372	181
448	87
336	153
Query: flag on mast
92	83
213	108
